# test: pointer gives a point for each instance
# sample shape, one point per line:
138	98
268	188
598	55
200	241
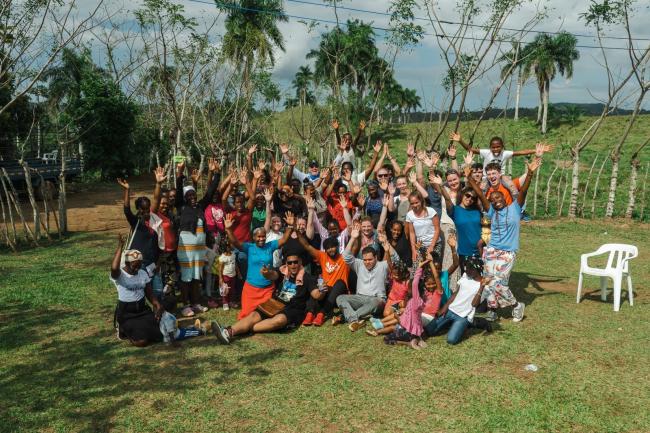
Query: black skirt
137	321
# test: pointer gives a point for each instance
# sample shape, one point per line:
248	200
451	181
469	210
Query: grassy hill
522	134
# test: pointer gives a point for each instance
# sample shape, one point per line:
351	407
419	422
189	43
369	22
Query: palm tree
251	35
301	83
545	56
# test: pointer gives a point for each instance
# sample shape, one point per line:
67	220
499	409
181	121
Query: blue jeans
451	320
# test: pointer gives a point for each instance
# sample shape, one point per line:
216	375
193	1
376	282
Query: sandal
187	312
372	332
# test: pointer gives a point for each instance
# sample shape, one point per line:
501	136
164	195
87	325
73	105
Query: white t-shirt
423	226
130	288
462	305
277	254
228	262
489	157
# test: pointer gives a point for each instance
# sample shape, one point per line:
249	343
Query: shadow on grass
519	281
84	377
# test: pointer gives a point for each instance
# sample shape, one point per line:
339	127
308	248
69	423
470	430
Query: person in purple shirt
500	253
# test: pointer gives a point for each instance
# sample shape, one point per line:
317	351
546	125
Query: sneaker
119	334
518	312
320	319
337	320
226	307
355	326
491	316
220	332
198	308
309	319
376	323
187	312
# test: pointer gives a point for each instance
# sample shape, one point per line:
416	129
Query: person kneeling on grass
371	282
458	313
134	319
285	310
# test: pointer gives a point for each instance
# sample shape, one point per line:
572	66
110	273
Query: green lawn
61	368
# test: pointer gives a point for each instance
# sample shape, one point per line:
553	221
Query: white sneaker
226	307
220	332
518	312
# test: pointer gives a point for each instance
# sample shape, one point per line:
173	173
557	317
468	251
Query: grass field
62	369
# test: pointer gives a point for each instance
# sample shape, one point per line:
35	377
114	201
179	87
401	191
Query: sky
422	68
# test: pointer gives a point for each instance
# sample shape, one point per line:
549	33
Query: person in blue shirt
500	253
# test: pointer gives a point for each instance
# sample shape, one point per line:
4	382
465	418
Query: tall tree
545	57
302	83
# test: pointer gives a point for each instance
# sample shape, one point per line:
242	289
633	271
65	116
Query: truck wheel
47	190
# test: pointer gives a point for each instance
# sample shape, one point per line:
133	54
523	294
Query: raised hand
410	150
278	166
243	176
356	230
213	165
326	172
534	164
413	177
284	148
121	239
289	218
361	199
410	163
469	158
455	136
311	203
343	200
451	150
422	156
335	124
268	194
391	189
257	173
123	183
548	147
377	147
196	175
347	175
159	172
180	167
252	149
383	184
234	178
381	237
386	200
356	188
293	161
467	170
229	221
435	157
362	124
336	173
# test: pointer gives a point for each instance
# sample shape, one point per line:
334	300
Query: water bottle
321	284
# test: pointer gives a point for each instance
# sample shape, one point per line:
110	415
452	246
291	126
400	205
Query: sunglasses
473	197
382	175
293	262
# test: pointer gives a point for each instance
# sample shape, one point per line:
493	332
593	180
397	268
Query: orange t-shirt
333	269
503	190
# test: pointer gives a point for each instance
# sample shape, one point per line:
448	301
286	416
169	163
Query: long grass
62	369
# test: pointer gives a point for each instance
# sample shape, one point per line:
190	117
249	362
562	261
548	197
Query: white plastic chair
617	267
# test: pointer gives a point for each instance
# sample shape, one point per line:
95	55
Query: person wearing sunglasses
466	216
286	309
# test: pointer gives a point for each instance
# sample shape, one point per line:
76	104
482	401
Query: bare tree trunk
613	181
11	214
634	172
545	103
63	211
645	179
535	192
584	194
8	240
548	190
559	188
539	107
29	234
32	200
566	187
593	198
517	97
47	194
575	181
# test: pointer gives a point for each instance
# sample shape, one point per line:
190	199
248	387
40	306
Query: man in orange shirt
496	182
335	274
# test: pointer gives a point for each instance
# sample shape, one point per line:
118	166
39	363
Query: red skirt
252	296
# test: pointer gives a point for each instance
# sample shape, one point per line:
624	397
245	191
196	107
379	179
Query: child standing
227	271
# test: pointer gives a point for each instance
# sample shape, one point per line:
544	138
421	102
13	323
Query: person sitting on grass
458	313
285	310
335	275
258	288
372	275
134	319
500	253
399	287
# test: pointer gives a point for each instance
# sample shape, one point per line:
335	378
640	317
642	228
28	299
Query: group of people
406	252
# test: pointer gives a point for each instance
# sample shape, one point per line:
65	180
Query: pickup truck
49	170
